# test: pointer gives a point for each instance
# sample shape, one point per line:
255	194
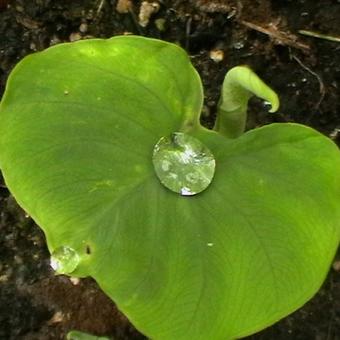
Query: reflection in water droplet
183	164
64	260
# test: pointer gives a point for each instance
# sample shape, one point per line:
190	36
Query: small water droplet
64	260
183	164
210	244
267	105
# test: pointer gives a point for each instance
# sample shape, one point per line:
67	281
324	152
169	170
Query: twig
319	35
318	77
100	7
282	38
187	33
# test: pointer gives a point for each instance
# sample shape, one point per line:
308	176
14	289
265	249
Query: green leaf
78	125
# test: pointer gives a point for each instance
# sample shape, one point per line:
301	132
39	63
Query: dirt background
305	71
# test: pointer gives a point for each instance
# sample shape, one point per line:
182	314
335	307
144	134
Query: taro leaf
78	124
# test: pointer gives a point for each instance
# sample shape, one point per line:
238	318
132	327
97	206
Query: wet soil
305	71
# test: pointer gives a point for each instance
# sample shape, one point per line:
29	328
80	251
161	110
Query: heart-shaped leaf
78	126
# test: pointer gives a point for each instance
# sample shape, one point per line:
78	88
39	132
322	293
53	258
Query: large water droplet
64	260
183	164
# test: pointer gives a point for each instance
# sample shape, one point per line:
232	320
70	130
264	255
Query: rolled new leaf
239	85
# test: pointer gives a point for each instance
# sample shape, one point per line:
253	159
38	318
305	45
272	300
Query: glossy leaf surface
78	124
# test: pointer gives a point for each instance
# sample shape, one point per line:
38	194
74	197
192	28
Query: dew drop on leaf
183	164
64	260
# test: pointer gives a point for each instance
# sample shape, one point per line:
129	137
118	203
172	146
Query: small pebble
124	6
83	27
336	265
33	47
160	24
75	280
75	36
56	318
216	55
54	40
3	278
147	9
335	133
238	45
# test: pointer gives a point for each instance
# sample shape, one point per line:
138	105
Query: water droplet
183	164
210	244
267	105
64	260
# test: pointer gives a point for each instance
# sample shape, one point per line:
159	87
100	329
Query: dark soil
305	71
